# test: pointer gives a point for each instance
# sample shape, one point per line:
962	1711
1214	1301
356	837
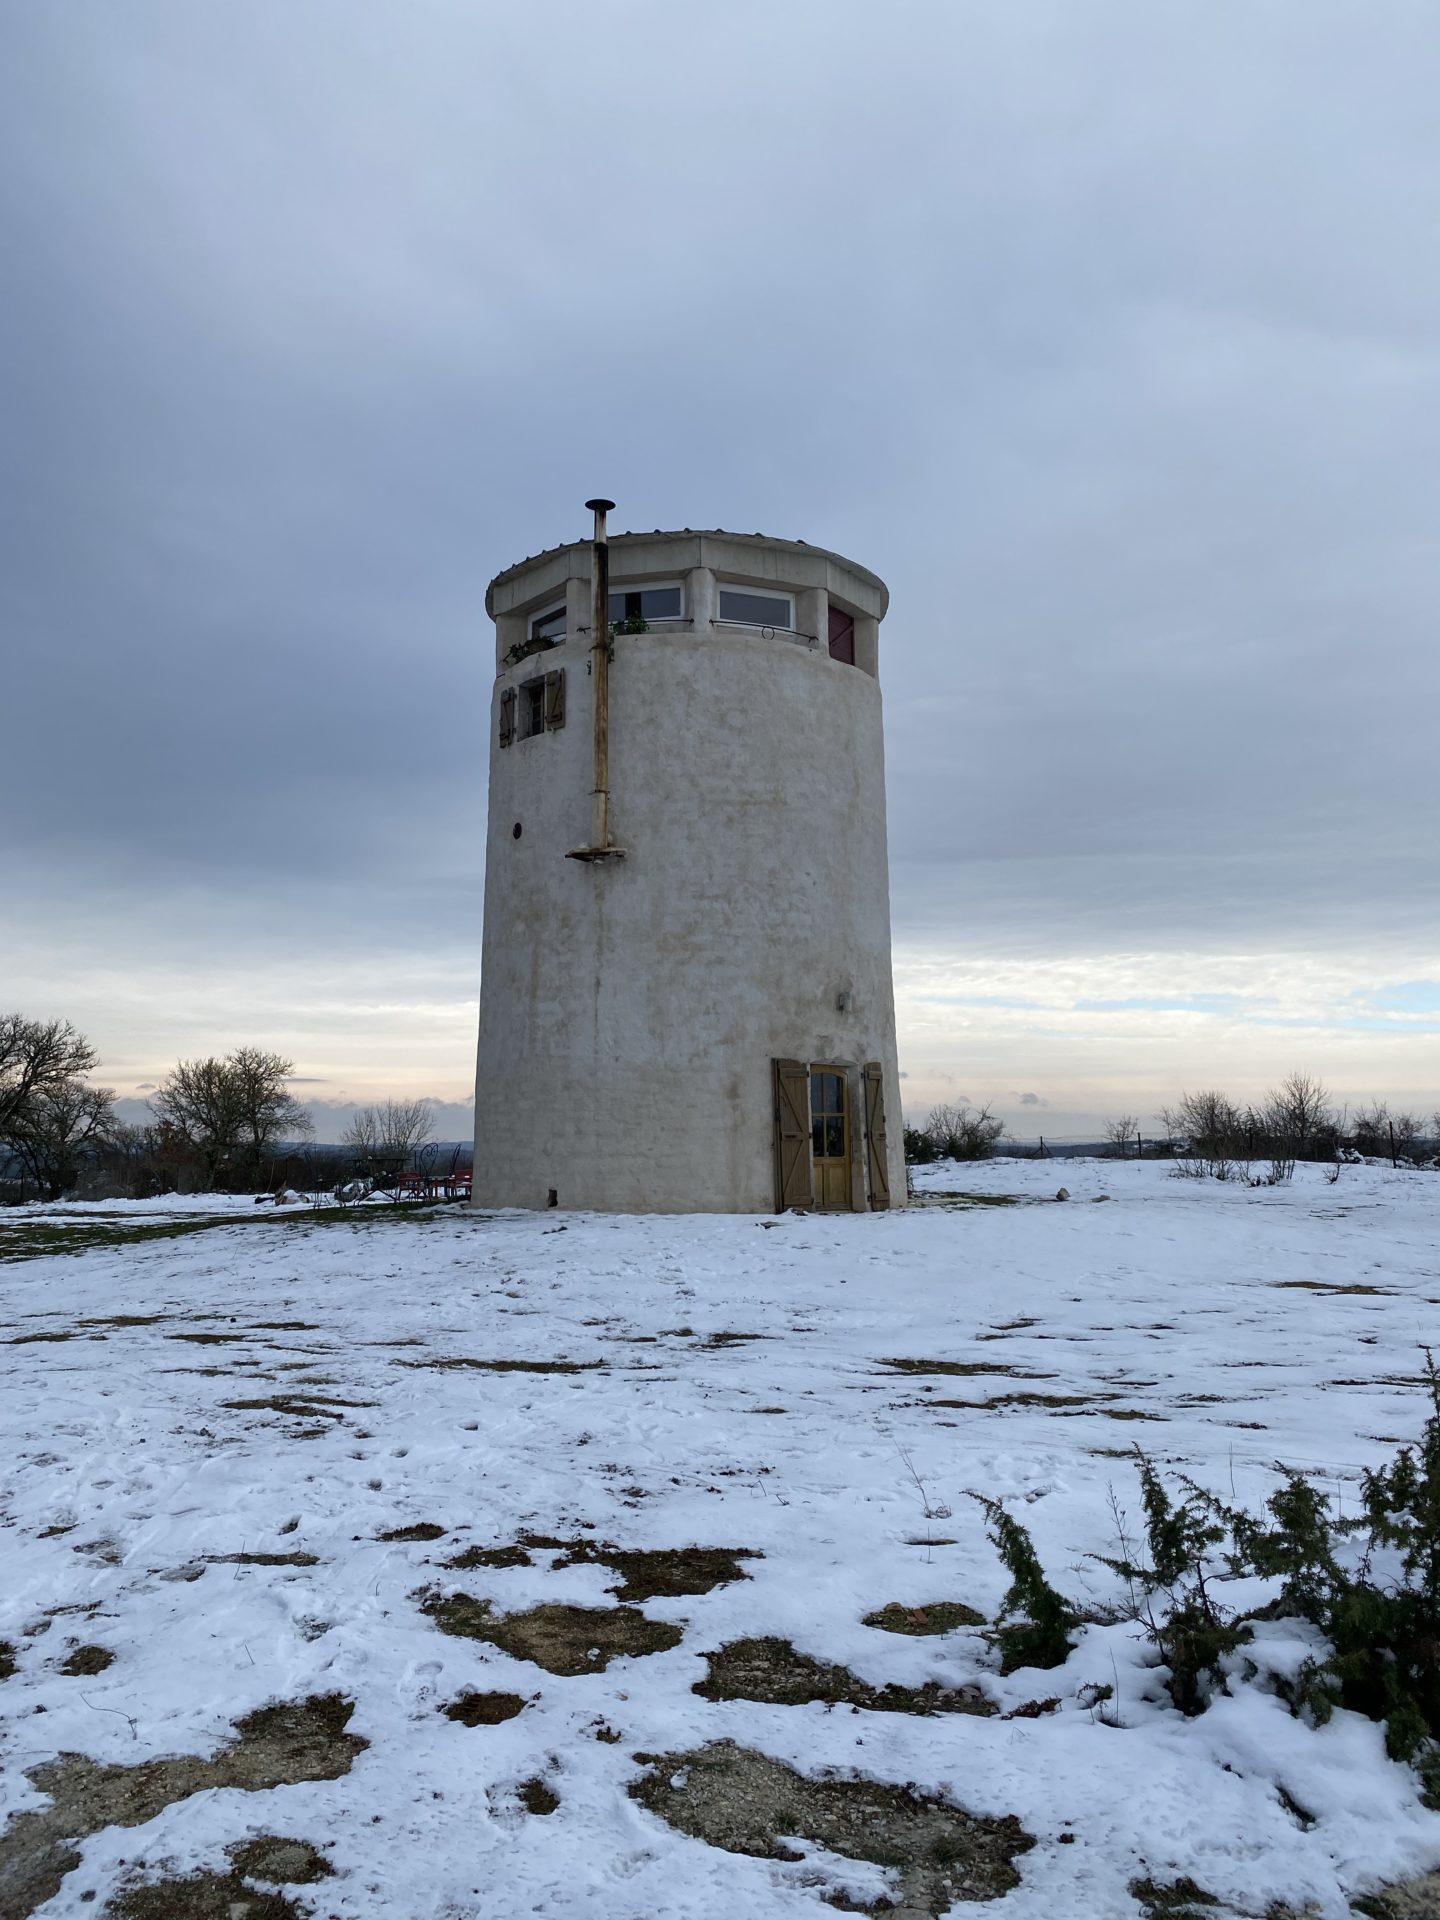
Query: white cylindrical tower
686	1001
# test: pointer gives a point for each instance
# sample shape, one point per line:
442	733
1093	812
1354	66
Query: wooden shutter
555	698
792	1135
877	1159
507	716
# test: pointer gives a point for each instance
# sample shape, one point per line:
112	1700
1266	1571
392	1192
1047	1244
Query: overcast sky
1105	333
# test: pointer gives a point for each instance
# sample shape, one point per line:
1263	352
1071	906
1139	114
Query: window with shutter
792	1135
507	716
555	698
877	1158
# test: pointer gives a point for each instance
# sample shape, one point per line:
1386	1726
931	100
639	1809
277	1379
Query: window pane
754	609
645	603
817	1093
547	625
835	1137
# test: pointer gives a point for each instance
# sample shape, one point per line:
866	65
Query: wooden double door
828	1155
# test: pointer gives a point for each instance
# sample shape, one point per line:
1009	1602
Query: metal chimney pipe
600	670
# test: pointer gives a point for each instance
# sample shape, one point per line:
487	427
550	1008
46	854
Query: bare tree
1119	1133
267	1111
37	1055
1301	1105
54	1130
385	1138
231	1112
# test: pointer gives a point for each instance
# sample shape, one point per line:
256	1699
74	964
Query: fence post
1139	1146
1393	1161
1043	1154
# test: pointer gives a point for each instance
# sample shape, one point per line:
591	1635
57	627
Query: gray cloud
1107	336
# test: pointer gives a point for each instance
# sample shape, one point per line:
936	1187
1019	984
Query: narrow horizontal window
549	625
631	605
757	609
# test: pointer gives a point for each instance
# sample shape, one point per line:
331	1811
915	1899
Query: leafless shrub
964	1132
1120	1135
1217	1138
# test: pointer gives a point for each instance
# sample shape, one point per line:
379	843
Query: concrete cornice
750	557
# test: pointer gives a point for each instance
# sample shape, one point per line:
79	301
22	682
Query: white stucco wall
630	1010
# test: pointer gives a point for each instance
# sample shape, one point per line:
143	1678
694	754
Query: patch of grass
563	1640
421	1530
308	1406
958	1200
200	1896
271	1856
117	1320
1016	1400
940	1616
445	1361
733	1797
1331	1286
31	1339
1174	1900
33	1239
85	1661
483	1709
965	1368
262	1559
474	1558
664	1571
537	1797
771	1671
7	1660
275	1746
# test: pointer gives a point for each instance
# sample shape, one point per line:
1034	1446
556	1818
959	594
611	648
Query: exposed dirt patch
475	1557
537	1797
115	1320
276	1746
201	1896
735	1798
208	1339
87	1660
285	1326
770	1670
965	1369
29	1339
1330	1286
320	1406
664	1571
942	1197
263	1559
564	1640
7	1660
1175	1900
271	1856
483	1709
509	1366
422	1530
1015	1400
728	1339
940	1616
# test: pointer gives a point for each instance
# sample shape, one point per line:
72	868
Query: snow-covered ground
1220	1314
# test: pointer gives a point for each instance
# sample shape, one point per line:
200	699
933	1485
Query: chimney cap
599	506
